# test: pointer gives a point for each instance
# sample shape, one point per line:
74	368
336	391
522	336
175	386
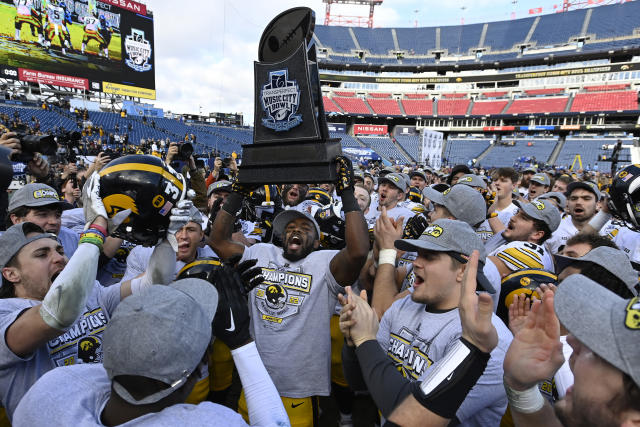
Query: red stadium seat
417	107
605	88
387	107
329	106
493	94
345	93
416	95
481	108
605	101
352	105
538	105
379	95
453	107
550	91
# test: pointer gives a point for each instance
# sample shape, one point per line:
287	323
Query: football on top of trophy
285	33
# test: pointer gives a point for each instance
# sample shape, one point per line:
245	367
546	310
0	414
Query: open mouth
295	243
578	210
418	281
183	246
55	276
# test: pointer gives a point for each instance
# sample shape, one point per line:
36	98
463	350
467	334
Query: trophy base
303	162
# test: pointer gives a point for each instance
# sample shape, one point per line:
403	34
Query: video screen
86	44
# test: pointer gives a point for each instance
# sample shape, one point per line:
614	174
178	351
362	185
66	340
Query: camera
31	144
185	150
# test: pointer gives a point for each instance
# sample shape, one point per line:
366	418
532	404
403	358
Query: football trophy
291	141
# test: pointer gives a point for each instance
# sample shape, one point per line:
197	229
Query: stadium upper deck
587	32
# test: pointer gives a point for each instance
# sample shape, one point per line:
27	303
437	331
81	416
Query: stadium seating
416	41
503	155
488	107
387	107
460	151
537	105
409	143
352	105
605	101
500	42
589	150
558	28
549	91
375	40
504	35
338	38
614	20
494	94
379	95
416	95
459	39
453	107
384	147
343	93
606	88
454	95
417	107
329	106
346	139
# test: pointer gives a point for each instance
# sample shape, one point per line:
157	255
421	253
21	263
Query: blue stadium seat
337	38
375	40
558	28
460	39
614	20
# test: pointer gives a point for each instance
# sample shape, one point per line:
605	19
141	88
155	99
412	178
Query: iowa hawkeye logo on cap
433	231
538	204
632	320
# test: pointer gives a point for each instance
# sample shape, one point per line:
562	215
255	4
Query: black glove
345	175
331	227
231	322
415	227
244	189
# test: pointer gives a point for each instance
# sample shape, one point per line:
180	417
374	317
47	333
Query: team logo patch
88	349
465	179
446	191
632	320
281	294
525	281
538	204
139	51
433	230
45	193
280	100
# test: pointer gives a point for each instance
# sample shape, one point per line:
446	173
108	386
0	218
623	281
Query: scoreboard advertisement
104	46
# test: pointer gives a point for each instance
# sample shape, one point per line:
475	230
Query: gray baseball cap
34	195
541	178
587	185
160	333
283	219
223	185
607	324
418	172
395	179
472	181
613	260
530	169
448	235
15	238
559	197
464	202
542	210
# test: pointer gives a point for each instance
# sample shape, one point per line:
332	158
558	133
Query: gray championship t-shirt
77	395
415	339
138	260
290	319
81	343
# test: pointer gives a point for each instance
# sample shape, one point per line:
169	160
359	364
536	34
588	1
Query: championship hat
283	219
35	195
457	238
541	178
464	202
395	179
542	210
15	238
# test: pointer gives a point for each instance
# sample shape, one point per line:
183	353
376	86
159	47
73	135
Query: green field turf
31	55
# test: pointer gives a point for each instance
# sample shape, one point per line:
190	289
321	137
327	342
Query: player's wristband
349	202
233	204
527	401
99	228
387	256
448	383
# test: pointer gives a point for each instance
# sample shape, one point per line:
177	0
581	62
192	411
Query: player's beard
302	253
585	414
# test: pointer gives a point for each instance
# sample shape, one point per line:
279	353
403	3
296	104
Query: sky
206	48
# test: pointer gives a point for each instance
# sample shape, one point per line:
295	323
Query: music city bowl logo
280	100
139	50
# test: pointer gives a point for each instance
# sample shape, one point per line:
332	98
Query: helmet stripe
143	167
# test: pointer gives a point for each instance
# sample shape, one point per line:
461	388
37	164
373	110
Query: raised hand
476	310
518	312
535	353
387	230
345	174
